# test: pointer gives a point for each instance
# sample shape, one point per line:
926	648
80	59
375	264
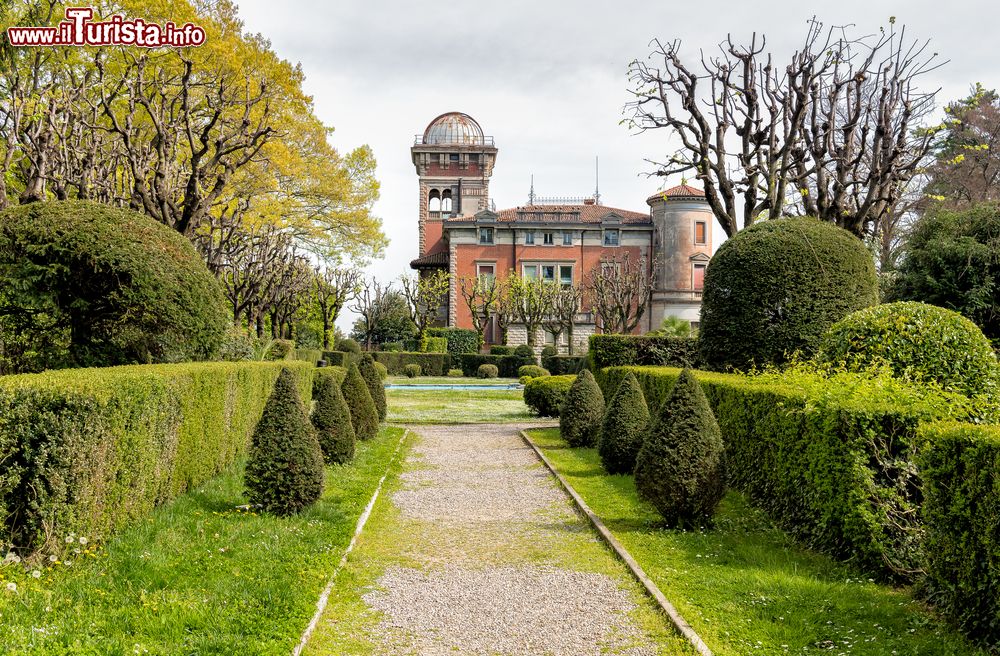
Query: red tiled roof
565	214
680	191
430	261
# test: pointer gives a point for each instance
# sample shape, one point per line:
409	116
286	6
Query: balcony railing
418	140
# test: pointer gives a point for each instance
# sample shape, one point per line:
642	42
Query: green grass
198	577
457	406
444	380
747	588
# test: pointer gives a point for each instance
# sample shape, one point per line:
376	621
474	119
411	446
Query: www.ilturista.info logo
80	30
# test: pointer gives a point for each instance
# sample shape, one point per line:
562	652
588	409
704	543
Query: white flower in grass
83	540
53	558
12	587
70	539
12	557
35	574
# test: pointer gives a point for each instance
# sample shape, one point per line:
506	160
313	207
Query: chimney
589	201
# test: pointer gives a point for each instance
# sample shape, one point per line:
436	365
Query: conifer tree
284	471
625	424
370	373
582	412
332	420
679	468
364	414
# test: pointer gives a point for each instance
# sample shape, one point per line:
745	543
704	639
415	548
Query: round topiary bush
679	467
776	287
454	373
412	370
84	284
532	371
364	414
547	394
918	342
332	420
487	371
348	345
549	351
284	471
370	373
625	424
524	351
280	349
582	412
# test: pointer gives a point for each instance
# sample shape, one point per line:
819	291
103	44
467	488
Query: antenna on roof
597	180
531	192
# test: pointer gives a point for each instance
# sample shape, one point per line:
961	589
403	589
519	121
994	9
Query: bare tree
833	134
370	303
529	300
563	306
620	289
482	296
425	295
332	289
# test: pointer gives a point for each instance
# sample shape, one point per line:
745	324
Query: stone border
676	619
362	520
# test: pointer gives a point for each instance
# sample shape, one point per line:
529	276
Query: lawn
445	380
457	406
198	577
747	588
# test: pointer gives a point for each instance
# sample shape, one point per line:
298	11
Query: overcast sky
548	80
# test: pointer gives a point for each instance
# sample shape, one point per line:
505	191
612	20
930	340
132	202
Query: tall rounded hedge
679	468
364	414
332	420
625	424
284	471
374	381
85	284
918	342
547	394
776	287
582	412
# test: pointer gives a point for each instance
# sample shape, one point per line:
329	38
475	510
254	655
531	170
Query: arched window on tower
434	202
446	202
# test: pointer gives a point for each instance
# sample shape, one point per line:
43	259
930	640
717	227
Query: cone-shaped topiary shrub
284	471
364	414
625	424
332	420
368	371
582	412
679	468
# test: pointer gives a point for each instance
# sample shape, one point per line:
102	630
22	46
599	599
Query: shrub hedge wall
337	373
563	364
460	340
309	355
431	364
507	365
545	395
831	459
86	450
627	350
339	358
960	467
434	345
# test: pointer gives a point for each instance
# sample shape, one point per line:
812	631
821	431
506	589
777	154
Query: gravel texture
469	487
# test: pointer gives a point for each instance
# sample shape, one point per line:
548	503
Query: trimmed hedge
501	349
434	345
487	371
629	350
960	467
919	342
431	364
336	373
454	373
774	288
563	364
831	459
460	340
339	358
86	451
507	365
364	414
370	373
582	412
332	420
625	423
412	370
532	371
547	394
309	355
281	349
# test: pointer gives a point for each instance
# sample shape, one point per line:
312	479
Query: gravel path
485	556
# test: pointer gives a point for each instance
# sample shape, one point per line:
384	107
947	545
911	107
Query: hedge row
507	365
431	364
86	450
563	364
960	468
460	340
337	373
831	459
546	395
627	350
309	355
339	358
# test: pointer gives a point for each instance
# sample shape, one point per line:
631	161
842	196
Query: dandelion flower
83	540
35	574
53	558
12	587
70	539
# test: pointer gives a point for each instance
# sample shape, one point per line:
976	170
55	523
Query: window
549	272
611	237
530	271
565	275
698	277
547	238
453	157
485	235
485	270
529	238
699	232
474	158
567	238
